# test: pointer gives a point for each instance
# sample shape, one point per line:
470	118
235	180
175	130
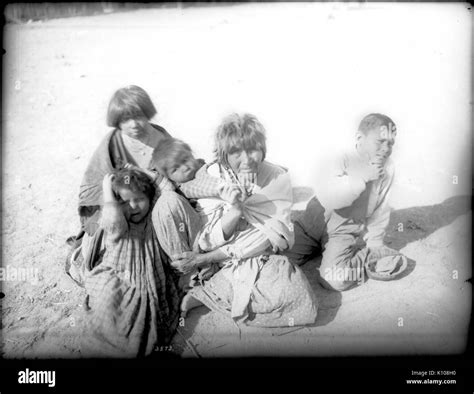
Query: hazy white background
309	71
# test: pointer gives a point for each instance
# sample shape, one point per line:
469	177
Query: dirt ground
309	72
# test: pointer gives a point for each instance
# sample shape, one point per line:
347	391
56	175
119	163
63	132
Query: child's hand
230	193
107	191
185	262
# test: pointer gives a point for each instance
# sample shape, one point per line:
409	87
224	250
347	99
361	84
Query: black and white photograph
236	180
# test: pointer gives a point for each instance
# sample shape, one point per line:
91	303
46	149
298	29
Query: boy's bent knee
336	285
339	277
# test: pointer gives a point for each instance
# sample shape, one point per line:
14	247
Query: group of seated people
163	232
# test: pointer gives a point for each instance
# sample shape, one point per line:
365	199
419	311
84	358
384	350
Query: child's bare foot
188	303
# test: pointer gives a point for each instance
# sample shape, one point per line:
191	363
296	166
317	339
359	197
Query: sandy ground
309	72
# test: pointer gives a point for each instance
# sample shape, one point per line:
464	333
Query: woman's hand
186	262
230	193
231	220
107	191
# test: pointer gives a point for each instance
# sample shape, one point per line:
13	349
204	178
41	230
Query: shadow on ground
329	301
409	224
182	339
419	222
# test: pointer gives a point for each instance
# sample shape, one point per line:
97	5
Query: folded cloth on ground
385	264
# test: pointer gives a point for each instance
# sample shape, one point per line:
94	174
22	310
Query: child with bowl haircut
351	198
174	159
182	172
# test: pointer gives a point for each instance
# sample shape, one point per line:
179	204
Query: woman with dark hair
133	293
132	141
129	144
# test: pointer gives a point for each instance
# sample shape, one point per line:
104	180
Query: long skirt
133	298
275	293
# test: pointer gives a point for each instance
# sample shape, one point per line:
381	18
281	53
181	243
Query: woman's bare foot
188	303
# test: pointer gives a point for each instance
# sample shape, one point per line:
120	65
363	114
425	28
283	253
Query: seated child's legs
342	265
176	223
188	303
186	281
310	228
305	246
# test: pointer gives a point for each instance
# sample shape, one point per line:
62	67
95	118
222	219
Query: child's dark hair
375	121
129	102
168	153
134	181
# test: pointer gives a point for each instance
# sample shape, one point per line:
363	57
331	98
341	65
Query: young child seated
351	198
182	173
189	180
133	293
174	160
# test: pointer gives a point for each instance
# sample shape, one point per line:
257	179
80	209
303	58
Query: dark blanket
110	155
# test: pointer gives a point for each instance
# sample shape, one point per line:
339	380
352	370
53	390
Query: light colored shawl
269	208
